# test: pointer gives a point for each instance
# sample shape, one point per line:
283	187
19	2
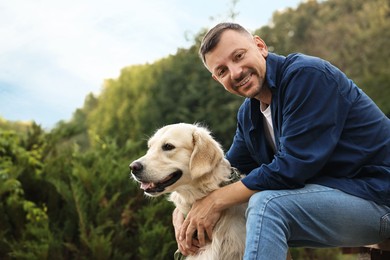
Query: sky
53	53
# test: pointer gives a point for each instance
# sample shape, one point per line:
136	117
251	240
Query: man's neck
265	96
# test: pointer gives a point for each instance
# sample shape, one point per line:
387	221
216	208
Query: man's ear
261	45
206	155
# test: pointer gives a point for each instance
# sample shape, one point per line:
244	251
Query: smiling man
248	81
314	147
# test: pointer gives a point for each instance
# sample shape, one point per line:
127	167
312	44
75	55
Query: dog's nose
136	167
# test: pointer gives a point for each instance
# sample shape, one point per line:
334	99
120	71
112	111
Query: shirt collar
273	65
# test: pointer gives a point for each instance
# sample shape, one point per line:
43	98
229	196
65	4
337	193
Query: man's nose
235	72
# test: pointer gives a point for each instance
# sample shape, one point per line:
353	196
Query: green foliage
66	194
24	224
35	240
94	192
18	126
120	104
154	232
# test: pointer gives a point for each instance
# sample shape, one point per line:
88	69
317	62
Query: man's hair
212	37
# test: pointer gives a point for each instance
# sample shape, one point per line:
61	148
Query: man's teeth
245	81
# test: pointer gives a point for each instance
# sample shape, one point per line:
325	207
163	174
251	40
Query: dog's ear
206	155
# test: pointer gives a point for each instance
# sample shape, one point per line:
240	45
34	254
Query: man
315	150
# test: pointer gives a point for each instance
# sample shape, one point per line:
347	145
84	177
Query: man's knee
267	202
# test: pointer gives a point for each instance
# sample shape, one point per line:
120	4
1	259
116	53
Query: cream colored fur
201	160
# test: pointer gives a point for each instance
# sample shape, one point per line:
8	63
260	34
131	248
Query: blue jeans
314	216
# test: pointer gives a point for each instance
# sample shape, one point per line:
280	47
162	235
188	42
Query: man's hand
205	214
177	221
202	218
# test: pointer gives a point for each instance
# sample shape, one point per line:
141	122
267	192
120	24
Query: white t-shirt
269	128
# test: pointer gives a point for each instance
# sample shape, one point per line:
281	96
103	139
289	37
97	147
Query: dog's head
177	155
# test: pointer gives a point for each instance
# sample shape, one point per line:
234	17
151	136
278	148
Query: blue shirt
327	131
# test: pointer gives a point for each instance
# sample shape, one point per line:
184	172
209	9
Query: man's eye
240	55
221	72
167	147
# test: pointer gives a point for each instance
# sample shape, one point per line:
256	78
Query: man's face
238	63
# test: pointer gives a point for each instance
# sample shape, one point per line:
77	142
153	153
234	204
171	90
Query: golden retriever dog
185	161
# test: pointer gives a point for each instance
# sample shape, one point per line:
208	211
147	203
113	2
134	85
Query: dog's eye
168	147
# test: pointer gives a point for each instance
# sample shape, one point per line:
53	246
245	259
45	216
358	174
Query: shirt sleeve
238	155
312	113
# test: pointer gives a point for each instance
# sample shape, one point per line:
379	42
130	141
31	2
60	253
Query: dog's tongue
146	185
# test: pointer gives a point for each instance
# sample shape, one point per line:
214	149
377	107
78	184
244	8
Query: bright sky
54	52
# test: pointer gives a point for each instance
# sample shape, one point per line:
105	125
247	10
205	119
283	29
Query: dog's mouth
157	187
